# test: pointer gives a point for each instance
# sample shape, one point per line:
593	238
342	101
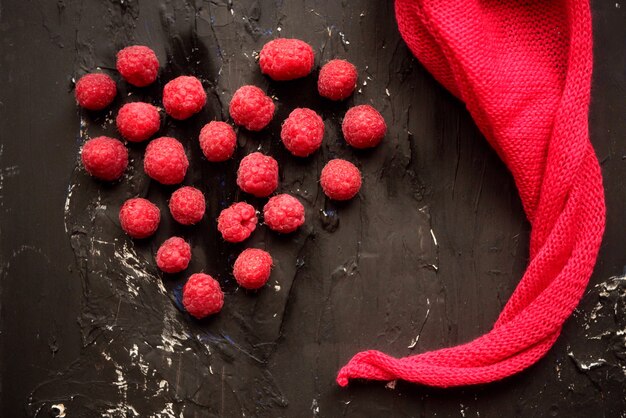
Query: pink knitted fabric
523	69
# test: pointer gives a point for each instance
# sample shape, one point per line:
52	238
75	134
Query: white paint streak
123	409
610	285
161	287
417	338
60	408
82	129
315	407
163	386
586	366
432	234
167	412
129	259
170	336
343	38
138	360
66	210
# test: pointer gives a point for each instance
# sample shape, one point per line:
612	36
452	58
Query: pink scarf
523	69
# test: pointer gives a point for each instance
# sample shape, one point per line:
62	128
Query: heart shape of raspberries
165	158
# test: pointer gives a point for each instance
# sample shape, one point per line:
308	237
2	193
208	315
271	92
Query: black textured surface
86	324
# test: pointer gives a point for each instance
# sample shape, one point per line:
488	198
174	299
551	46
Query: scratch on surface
480	187
5	173
417	338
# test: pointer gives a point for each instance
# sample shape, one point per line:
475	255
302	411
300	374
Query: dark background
86	320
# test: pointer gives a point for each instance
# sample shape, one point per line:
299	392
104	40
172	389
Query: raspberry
337	80
286	59
283	213
139	217
104	158
138	121
183	97
237	222
340	179
258	174
165	160
173	255
363	127
202	296
138	65
95	91
252	268
302	132
187	205
251	108
218	141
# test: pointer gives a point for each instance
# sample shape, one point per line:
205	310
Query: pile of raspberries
165	160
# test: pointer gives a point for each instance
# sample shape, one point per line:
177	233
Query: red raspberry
363	127
258	174
237	222
286	59
337	80
165	160
340	179
283	213
302	132
218	141
173	255
202	296
139	217
104	158
138	121
95	91
187	205
252	268
138	65
251	108
183	97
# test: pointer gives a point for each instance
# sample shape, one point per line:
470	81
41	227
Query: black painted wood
86	326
